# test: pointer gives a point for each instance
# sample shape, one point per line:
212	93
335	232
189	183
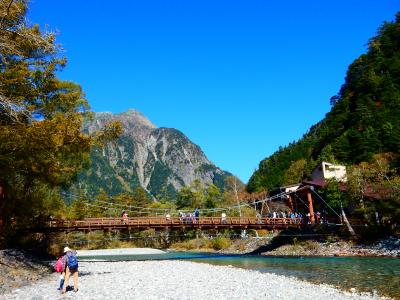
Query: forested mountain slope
159	160
364	119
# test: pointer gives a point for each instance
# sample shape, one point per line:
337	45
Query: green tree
191	196
363	120
184	198
79	209
333	196
42	146
103	206
134	202
296	172
213	197
141	197
327	154
379	180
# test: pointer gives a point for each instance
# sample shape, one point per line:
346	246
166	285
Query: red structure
142	223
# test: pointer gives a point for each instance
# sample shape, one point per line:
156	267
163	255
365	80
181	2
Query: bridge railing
172	221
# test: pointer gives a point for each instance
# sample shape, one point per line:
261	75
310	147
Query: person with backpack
58	267
197	215
70	267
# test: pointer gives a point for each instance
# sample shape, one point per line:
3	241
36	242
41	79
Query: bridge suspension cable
155	210
325	202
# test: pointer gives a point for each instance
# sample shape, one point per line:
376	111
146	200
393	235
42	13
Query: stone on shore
180	280
116	252
19	268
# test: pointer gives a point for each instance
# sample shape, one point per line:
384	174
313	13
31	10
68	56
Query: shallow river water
369	274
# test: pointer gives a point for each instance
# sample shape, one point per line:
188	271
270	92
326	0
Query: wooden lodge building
303	197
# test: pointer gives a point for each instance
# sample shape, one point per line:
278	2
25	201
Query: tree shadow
284	237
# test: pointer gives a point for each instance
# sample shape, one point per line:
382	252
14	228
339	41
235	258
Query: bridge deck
173	223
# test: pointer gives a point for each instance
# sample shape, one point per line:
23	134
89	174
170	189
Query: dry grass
300	248
218	243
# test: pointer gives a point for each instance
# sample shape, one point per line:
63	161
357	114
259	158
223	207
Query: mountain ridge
161	160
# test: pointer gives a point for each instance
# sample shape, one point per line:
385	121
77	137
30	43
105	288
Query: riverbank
268	246
179	280
19	268
117	252
389	247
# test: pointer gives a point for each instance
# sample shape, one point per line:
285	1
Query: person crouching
70	267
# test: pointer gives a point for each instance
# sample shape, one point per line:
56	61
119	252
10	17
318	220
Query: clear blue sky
239	78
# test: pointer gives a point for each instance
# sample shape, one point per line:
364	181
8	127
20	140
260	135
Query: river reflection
375	275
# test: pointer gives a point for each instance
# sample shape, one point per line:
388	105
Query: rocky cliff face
161	160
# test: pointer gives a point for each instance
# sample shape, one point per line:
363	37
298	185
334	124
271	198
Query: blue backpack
72	262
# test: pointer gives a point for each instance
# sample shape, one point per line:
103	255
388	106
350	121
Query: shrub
220	243
187	245
311	246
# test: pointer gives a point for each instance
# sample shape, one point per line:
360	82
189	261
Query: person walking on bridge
124	217
197	215
223	218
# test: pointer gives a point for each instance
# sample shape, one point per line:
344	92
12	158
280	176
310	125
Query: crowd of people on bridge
283	214
319	218
194	217
189	217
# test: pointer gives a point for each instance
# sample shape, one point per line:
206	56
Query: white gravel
179	280
122	251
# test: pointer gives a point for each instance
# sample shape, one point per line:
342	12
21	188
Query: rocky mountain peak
135	118
160	160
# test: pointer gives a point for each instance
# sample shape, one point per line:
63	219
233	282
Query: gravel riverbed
178	280
19	268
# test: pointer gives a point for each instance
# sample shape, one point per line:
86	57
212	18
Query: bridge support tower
311	207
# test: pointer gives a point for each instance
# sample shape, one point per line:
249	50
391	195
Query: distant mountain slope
364	119
161	160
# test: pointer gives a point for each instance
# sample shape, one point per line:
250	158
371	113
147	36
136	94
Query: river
367	274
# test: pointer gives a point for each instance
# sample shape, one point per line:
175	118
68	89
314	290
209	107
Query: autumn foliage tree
42	146
376	187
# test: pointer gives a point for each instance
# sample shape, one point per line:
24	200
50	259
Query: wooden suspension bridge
185	223
142	223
